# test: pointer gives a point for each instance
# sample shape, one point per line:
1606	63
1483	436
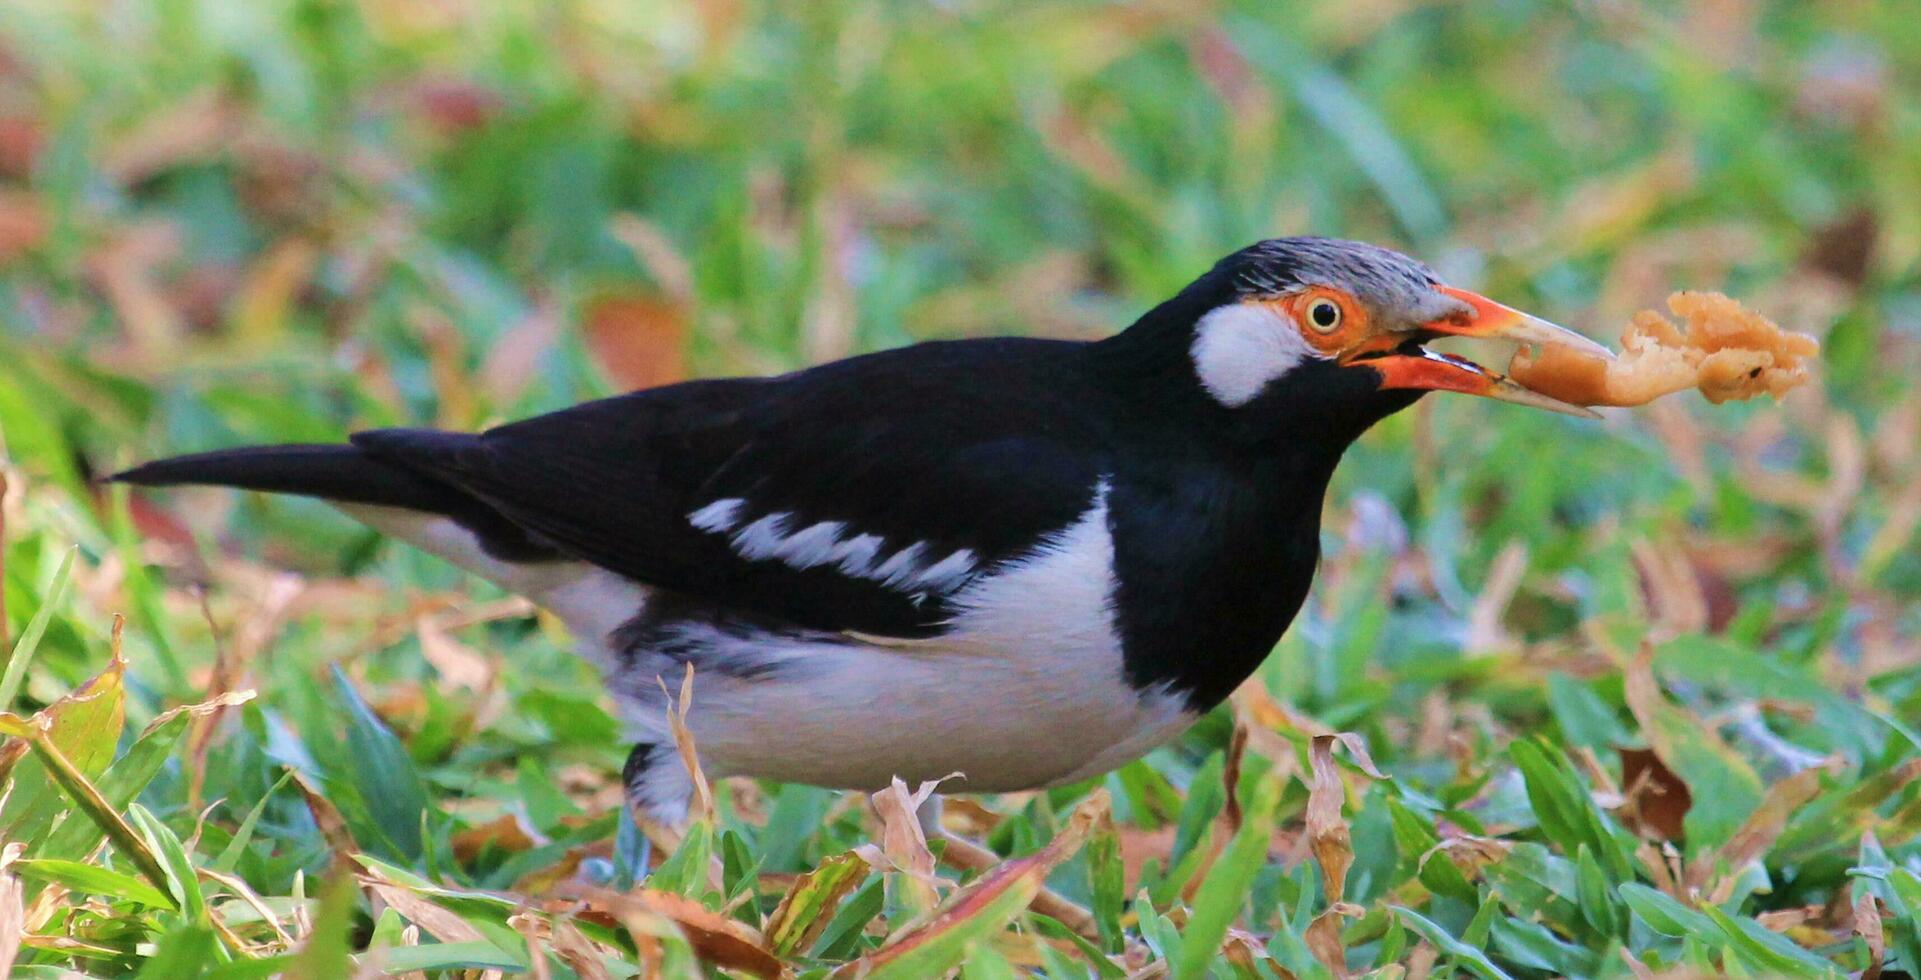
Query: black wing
969	452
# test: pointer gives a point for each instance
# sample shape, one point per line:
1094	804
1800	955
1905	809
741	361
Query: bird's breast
1209	571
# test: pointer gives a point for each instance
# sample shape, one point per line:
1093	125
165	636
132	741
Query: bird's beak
1405	364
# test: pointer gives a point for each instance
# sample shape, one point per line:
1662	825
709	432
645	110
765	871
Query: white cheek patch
1242	347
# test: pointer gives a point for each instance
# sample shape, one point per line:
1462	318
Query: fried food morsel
1727	351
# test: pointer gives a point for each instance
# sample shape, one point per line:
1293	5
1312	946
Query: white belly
855	715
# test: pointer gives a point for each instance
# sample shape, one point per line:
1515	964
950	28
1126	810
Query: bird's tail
374	489
340	473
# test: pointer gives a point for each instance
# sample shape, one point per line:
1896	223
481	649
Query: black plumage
971	458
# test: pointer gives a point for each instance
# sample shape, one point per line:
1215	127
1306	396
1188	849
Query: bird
1021	562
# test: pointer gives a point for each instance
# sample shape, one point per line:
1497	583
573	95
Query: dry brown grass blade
968	856
438	922
1760	830
1670	588
816	895
1231	776
1021	876
1867	925
457	664
273	286
1645	700
245	893
1663	866
716	939
333	827
577	951
539	937
200	709
513	361
125	268
446	350
1261	737
1485	634
231	662
1245	951
684	743
656	252
10	755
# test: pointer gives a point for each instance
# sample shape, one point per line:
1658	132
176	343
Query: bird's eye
1324	315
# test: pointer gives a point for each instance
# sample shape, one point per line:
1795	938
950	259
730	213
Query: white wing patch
948	573
910	569
718	516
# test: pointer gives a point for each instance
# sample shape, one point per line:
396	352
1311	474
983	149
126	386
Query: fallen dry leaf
506	832
903	841
1655	800
1328	836
639	339
716	939
1327	832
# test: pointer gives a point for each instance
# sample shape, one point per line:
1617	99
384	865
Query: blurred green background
283	220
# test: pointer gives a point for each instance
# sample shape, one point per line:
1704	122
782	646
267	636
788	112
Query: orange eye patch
1330	320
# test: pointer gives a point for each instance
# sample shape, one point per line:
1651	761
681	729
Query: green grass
1644	693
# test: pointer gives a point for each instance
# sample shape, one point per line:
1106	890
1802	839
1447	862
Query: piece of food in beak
1728	352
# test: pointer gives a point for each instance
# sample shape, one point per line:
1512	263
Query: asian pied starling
1025	561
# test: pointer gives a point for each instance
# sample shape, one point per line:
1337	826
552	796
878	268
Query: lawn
1623	698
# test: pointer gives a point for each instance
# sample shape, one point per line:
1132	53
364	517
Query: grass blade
1223	893
16	665
89	879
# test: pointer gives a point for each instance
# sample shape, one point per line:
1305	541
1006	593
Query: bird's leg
965	855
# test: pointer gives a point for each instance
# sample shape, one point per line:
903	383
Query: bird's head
1322	330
